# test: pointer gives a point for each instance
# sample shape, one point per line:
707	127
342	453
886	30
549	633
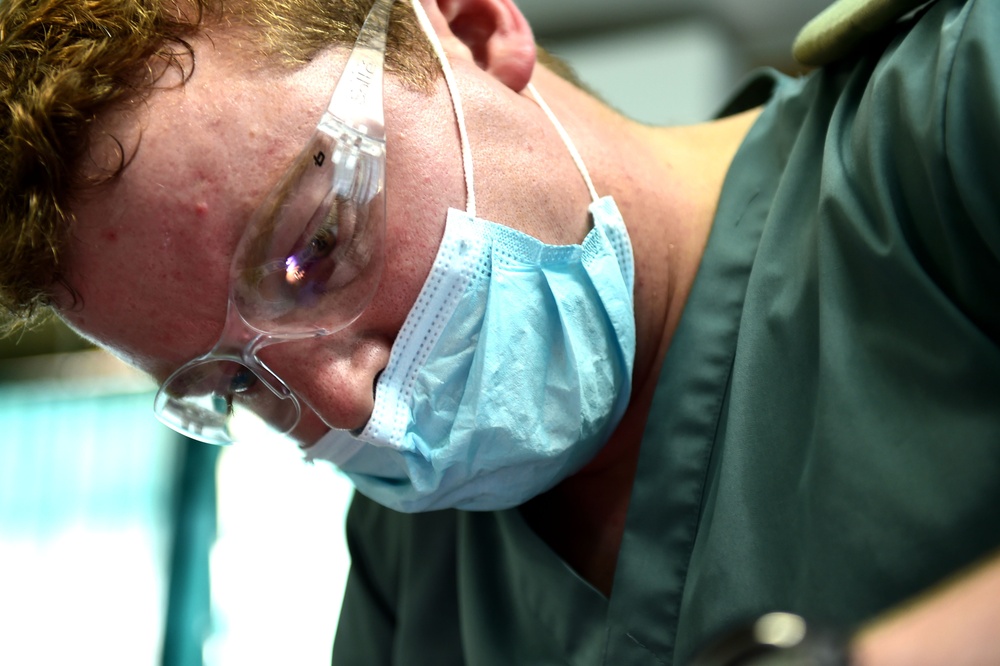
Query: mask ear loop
564	135
456	103
463	135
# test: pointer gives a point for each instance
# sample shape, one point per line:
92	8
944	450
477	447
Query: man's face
150	252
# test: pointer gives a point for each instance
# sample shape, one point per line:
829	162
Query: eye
242	381
321	245
323	242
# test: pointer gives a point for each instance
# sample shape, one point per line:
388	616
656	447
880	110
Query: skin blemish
109	235
201	209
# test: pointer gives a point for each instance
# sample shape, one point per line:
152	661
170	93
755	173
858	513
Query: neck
667	183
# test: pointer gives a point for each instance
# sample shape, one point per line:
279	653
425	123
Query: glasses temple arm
357	99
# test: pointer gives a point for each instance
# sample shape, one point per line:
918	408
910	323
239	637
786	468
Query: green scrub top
825	436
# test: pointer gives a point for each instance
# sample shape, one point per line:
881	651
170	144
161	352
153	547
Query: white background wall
668	61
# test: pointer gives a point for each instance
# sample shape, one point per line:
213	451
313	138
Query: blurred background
121	543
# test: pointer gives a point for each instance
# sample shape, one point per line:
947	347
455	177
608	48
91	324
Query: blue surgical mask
512	369
509	374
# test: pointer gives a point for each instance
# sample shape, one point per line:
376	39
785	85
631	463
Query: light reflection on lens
293	272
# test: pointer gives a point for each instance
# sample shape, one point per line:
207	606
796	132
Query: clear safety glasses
307	265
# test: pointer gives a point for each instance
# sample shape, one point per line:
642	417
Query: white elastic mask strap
564	135
456	102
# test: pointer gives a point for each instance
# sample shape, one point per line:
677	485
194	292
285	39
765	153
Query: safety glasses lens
311	259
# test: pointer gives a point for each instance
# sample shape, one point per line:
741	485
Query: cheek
150	275
419	191
412	242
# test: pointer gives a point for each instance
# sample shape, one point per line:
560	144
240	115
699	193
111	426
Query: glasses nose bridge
252	359
238	339
240	342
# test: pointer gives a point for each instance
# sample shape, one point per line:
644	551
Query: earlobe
492	33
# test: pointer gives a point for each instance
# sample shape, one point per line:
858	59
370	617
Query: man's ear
492	33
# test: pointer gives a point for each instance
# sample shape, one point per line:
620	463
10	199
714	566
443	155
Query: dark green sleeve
971	136
926	140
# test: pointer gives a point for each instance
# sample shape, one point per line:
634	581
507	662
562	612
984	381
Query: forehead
150	250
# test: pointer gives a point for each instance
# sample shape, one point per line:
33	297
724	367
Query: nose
334	376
